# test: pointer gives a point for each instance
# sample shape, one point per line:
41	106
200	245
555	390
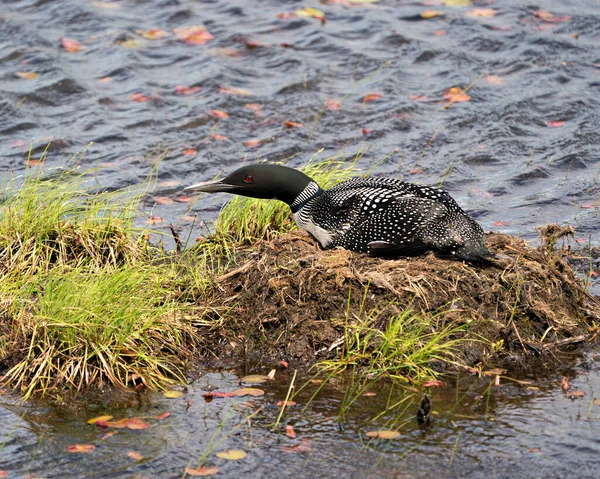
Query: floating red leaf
291	124
285	403
289	431
372	97
500	223
304	446
139	97
252	143
187	90
550	17
216	136
564	384
193	35
555	124
202	471
333	104
189	152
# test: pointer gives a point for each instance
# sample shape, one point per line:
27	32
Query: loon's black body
374	215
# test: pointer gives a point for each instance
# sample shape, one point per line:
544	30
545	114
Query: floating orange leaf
125	423
439	33
494	80
232	454
105	79
194	35
286	16
555	124
252	143
383	434
217	394
289	431
255	378
254	107
163	200
72	46
184	199
333	104
372	97
550	17
162	416
254	392
285	403
456	94
187	90
482	12
564	384
152	34
81	448
136	456
154	219
189	152
99	418
202	471
218	137
3	473
576	394
311	12
427	14
221	115
139	97
291	124
28	75
500	223
234	91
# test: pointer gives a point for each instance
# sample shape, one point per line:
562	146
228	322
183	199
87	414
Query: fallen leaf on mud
202	471
285	403
304	446
494	80
427	14
555	124
482	12
232	454
216	136
564	384
28	75
152	34
550	17
384	434
221	115
456	95
575	394
234	91
162	416
193	35
255	392
81	448
434	384
311	12
252	143
372	97
99	418
291	124
72	46
333	104
255	378
494	372
173	394
187	90
289	431
189	152
500	223
136	456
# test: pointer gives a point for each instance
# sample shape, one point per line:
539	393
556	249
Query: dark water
524	151
479	430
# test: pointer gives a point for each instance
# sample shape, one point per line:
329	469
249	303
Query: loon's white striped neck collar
311	192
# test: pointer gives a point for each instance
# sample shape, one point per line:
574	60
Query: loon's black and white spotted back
381	216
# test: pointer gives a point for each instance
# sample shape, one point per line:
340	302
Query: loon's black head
263	180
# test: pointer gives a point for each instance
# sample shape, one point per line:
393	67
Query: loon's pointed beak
215	186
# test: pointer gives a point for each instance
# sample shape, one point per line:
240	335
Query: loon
380	216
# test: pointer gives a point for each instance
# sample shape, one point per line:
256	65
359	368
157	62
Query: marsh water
123	81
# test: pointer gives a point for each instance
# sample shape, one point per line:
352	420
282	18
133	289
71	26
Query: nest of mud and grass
287	299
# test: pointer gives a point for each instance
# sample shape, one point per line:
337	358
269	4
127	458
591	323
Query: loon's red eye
249	179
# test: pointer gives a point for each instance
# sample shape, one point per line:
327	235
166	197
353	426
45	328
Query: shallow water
524	151
478	430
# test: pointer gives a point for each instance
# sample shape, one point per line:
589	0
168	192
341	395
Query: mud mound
287	299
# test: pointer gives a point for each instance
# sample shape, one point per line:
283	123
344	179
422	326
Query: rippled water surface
524	151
